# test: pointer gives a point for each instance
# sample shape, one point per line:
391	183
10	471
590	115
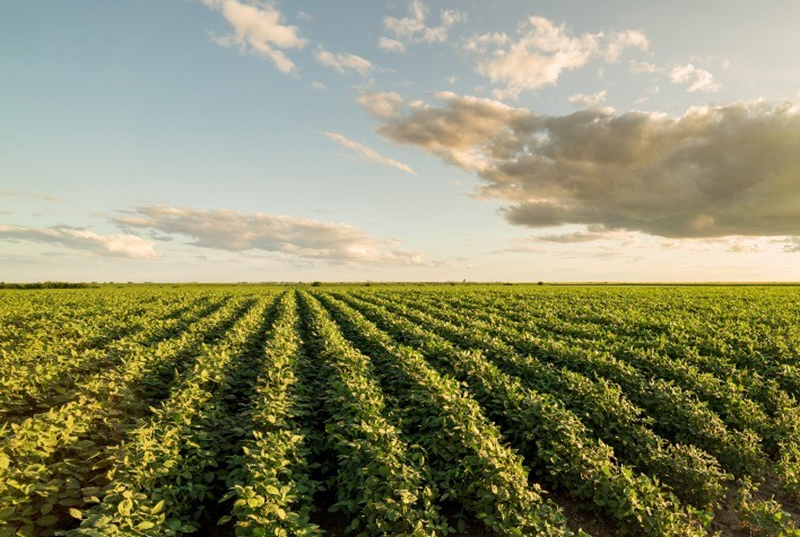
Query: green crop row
551	437
469	460
54	462
691	474
169	467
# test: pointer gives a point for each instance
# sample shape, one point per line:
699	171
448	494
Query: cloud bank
81	239
239	232
258	29
713	172
368	153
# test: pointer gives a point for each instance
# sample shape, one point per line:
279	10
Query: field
400	410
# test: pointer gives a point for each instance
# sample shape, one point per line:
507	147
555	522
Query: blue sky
232	140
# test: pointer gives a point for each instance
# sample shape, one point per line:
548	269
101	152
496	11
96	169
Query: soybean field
400	410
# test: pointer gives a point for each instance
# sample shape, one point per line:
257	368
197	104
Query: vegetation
400	410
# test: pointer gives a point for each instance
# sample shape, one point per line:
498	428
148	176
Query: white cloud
637	66
81	239
391	45
298	238
258	29
698	79
591	100
619	41
412	29
343	62
542	52
713	172
367	152
381	104
480	43
316	85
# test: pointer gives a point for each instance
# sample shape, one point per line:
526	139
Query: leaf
75	513
224	520
157	508
48	520
125	507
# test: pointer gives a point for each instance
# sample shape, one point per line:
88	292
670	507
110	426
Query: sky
250	140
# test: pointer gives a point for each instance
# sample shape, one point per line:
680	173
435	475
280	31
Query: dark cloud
714	172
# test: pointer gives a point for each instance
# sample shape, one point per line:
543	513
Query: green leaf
48	520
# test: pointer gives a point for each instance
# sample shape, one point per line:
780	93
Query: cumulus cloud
542	52
696	78
618	42
713	172
343	62
591	100
82	239
258	29
367	152
391	45
381	105
296	237
413	29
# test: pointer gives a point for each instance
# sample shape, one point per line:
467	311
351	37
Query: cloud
412	29
295	237
637	66
698	79
582	100
574	237
316	85
791	245
28	195
81	239
367	152
713	172
391	45
740	246
542	52
619	41
381	105
343	62
258	29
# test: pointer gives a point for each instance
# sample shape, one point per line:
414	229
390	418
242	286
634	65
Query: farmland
483	410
